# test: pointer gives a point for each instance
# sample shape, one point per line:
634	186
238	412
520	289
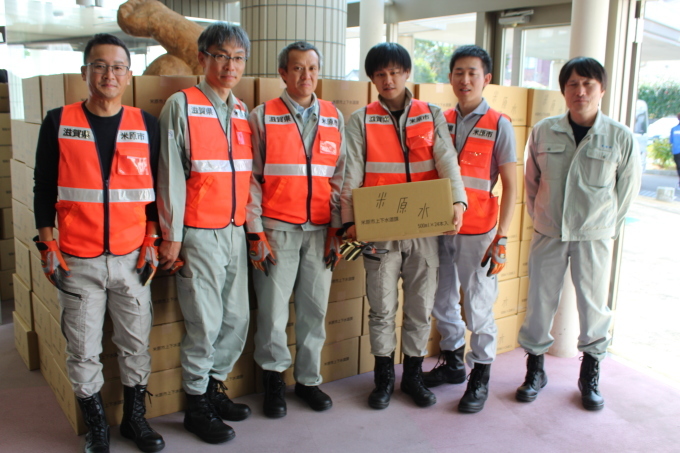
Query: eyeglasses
224	59
101	68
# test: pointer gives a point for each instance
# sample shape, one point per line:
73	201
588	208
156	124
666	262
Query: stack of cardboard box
6	234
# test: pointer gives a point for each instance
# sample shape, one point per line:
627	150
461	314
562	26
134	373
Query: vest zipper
309	185
403	148
233	180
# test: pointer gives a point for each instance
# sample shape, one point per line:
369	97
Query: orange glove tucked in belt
52	260
147	263
259	251
332	255
495	253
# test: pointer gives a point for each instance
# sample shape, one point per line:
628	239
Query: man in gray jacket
582	172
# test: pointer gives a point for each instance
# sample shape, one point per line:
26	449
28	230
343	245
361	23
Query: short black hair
219	32
585	67
299	45
471	51
382	55
104	38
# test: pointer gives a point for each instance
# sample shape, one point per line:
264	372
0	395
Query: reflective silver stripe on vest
421	167
76	133
325	171
220	166
133	137
484	134
286	118
201	111
97	196
452	128
131	195
476	183
385	167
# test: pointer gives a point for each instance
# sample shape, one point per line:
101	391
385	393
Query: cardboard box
523	294
5	129
5	157
244	90
439	94
515	231
520	142
24	222
26	342
4	98
151	92
511	262
508	296
6	223
507	334
42	321
59	90
542	104
343	320
403	211
5	192
42	287
527	225
7	255
524	250
22	301
165	301
241	380
348	280
373	91
519	194
25	142
22	183
33	112
347	95
267	89
509	100
6	285
340	360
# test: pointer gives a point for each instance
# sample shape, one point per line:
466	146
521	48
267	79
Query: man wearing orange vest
398	139
95	168
203	180
485	142
293	221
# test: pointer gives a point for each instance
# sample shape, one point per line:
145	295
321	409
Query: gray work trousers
300	267
460	258
95	285
590	270
213	294
416	262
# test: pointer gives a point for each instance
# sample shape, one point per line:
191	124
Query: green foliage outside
660	152
431	61
662	98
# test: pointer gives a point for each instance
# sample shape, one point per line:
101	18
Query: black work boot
314	397
450	369
588	380
412	382
97	437
477	389
274	394
201	419
134	426
383	377
226	408
534	381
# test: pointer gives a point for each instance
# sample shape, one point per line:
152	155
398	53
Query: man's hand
332	255
351	233
52	260
260	252
147	263
495	253
168	253
458	210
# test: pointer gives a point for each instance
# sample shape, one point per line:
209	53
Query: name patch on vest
76	133
378	119
486	134
419	119
203	111
133	137
329	121
278	119
238	114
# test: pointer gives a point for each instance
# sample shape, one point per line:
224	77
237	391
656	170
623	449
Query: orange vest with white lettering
296	188
95	217
219	181
386	161
474	159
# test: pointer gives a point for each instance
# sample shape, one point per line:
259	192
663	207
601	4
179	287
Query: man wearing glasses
203	180
298	166
95	169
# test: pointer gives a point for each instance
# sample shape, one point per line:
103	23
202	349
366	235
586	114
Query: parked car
661	128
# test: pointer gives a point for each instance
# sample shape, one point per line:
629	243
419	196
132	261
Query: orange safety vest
95	215
386	161
296	187
219	181
474	159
